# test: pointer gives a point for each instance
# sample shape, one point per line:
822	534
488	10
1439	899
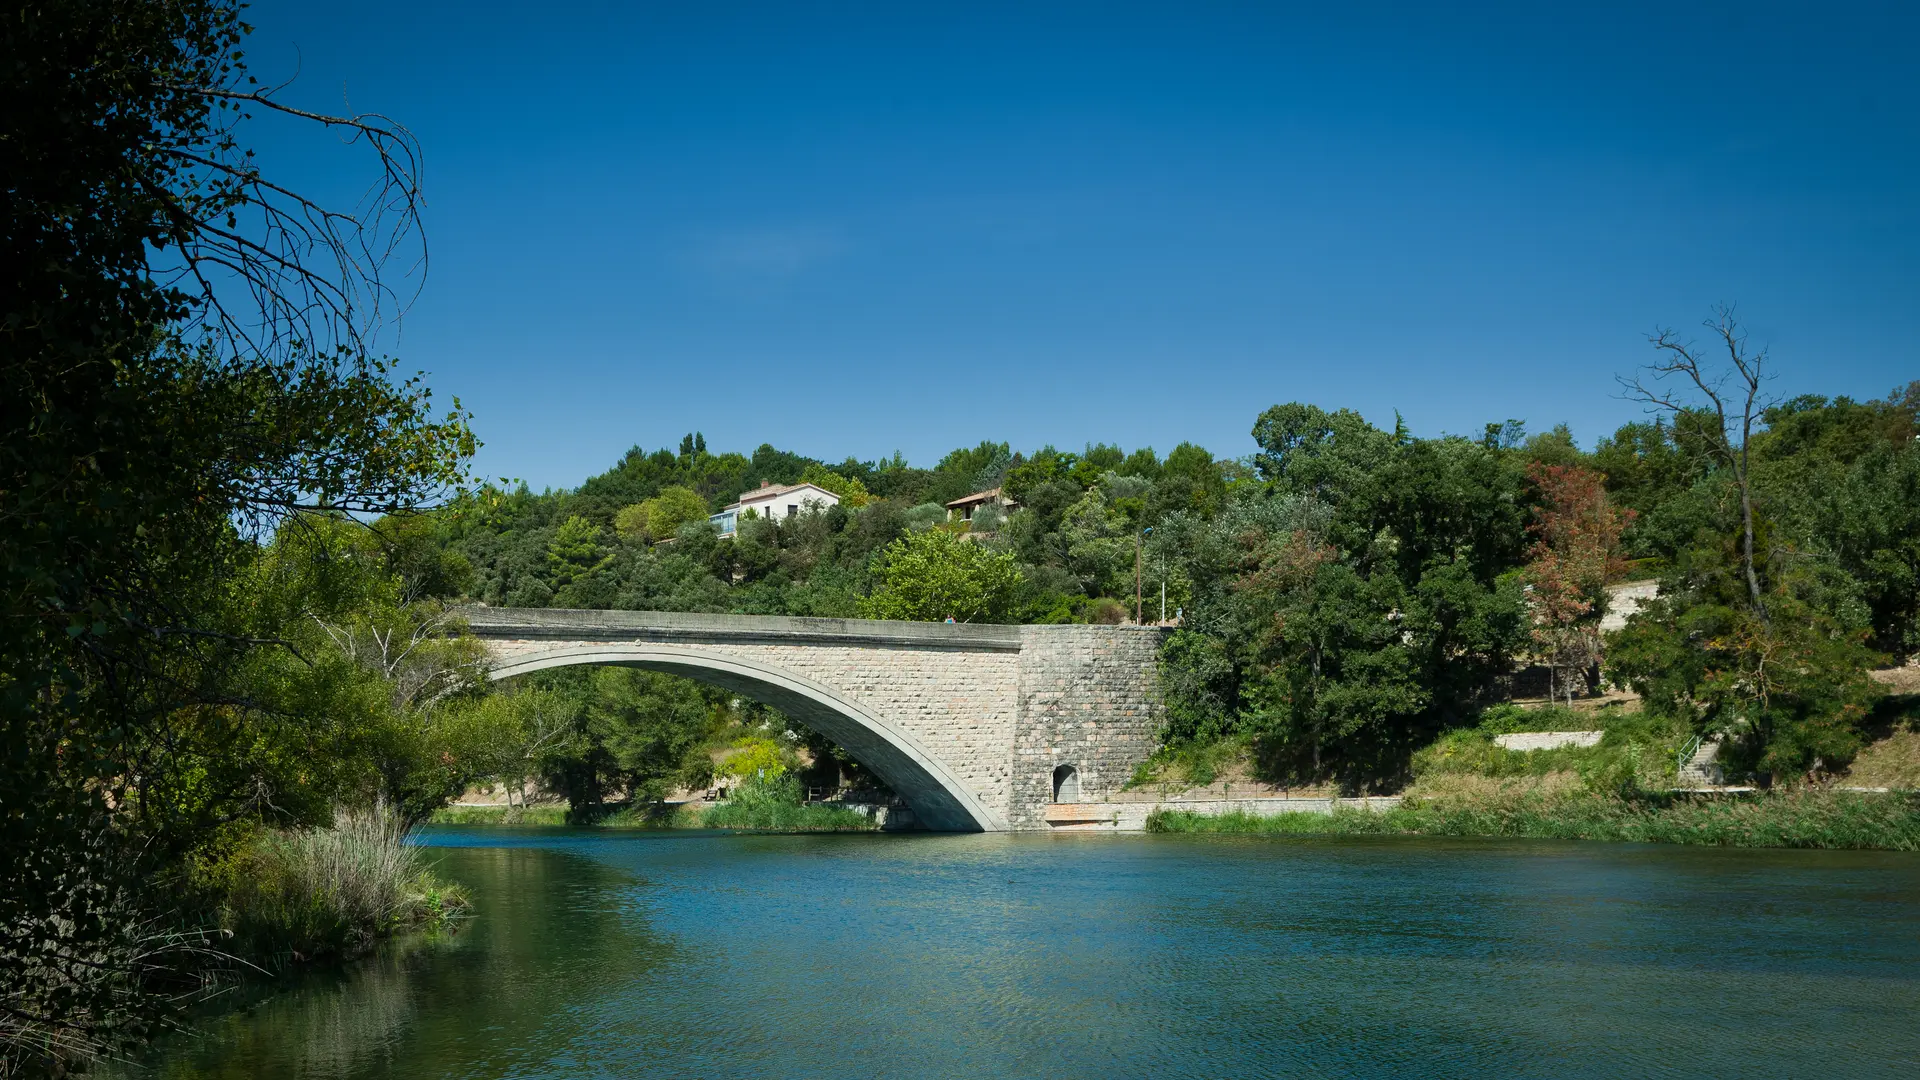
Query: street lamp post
1136	578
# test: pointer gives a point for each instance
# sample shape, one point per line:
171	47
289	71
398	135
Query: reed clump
303	894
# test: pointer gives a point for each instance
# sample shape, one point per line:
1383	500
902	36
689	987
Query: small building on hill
777	501
963	509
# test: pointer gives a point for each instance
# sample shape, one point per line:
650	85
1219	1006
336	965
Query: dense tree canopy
185	350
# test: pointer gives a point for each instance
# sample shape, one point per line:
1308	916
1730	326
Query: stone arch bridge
973	725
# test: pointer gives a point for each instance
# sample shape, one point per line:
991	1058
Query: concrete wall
1132	816
1547	740
1624	599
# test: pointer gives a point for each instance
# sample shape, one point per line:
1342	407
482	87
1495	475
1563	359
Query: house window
1066	784
792	509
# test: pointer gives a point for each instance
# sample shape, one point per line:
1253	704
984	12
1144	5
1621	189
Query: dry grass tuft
1470	788
1893	762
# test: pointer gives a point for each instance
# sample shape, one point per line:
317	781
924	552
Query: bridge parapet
562	624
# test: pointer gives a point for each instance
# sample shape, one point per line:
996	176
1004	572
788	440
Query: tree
1732	390
672	508
1791	691
188	350
1760	631
1575	551
853	494
575	551
934	575
623	733
1358	601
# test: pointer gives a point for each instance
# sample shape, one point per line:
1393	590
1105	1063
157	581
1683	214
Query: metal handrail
1687	750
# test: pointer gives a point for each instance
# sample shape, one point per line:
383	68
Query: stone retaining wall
1547	740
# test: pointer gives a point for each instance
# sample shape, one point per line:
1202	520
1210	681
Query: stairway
1701	766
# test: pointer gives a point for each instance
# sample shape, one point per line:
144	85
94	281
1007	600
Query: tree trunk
1746	521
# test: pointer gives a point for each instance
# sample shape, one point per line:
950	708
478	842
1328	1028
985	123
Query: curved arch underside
939	799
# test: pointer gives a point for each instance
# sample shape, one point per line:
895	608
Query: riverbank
729	815
1559	809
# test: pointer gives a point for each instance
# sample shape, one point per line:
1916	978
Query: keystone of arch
941	800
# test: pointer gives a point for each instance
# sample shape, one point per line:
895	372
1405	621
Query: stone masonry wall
999	720
1088	698
960	705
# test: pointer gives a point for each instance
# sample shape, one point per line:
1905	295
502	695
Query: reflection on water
557	927
675	955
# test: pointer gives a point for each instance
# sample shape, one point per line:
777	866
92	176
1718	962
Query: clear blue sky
847	230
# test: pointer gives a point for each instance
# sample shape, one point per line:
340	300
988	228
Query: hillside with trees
1345	594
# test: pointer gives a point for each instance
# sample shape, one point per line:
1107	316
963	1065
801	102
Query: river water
605	954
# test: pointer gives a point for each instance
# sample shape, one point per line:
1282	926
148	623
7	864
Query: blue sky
851	229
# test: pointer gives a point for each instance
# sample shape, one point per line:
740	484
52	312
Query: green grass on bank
654	816
500	815
761	806
1806	818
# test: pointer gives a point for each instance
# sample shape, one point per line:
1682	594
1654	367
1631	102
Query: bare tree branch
1734	394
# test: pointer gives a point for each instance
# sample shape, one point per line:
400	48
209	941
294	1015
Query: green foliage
501	815
666	512
1193	762
1790	688
1358	605
1800	819
776	803
1629	758
853	494
759	758
173	397
621	735
1506	718
935	575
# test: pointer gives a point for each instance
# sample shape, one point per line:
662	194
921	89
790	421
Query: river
599	953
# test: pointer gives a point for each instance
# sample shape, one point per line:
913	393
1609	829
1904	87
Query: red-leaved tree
1576	542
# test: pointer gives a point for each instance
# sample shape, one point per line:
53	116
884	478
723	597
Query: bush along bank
1809	817
1466	784
776	803
298	895
659	815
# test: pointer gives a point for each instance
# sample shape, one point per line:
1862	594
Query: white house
777	501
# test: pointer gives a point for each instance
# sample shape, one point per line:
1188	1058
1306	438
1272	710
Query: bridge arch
939	799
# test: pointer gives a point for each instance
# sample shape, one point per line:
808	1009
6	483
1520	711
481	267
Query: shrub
1507	718
777	804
